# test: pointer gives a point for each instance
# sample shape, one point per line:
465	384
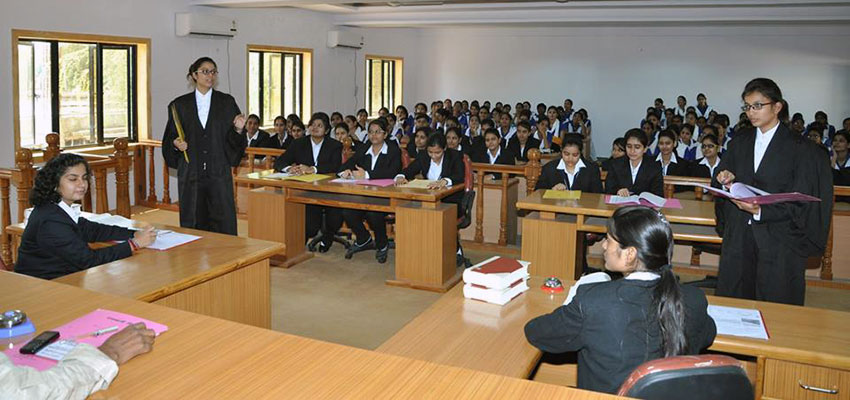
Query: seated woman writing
55	241
570	172
617	325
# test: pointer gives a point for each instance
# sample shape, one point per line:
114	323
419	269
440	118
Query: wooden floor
347	302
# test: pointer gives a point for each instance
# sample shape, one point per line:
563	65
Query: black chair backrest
691	377
466	203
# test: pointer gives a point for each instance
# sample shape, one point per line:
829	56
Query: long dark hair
649	233
47	180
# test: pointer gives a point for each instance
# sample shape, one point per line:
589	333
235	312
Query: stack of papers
643	199
114	220
562	194
169	239
418	184
742	322
496	280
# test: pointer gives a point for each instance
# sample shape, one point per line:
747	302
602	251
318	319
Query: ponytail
667	300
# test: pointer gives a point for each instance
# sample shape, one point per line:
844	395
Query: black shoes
381	255
356	248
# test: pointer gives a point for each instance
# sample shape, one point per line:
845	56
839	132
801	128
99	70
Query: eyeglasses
208	71
708	146
755	106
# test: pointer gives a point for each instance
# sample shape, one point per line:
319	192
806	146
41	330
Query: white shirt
571	175
664	166
846	163
492	157
634	169
762	141
83	371
256	134
203	101
688	147
73	210
281	138
375	156
643	276
710	167
317	147
510	134
360	133
436	169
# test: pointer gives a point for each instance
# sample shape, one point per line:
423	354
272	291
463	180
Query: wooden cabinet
786	380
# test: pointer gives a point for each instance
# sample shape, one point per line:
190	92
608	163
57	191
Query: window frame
306	77
397	87
139	61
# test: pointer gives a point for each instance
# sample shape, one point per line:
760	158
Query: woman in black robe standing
212	144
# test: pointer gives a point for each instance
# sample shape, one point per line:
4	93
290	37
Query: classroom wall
615	73
337	75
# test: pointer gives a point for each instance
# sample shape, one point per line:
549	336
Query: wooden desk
209	358
425	232
805	343
564	219
219	275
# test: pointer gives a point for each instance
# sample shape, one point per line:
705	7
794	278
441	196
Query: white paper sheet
168	239
744	322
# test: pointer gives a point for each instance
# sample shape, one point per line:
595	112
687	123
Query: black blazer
301	152
411	150
681	167
587	179
790	164
513	146
273	142
53	245
452	168
387	166
614	328
649	178
505	157
260	141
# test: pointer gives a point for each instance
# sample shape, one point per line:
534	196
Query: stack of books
497	280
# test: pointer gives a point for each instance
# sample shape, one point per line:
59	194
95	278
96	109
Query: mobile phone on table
40	342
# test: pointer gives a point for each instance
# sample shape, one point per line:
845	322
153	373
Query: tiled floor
346	301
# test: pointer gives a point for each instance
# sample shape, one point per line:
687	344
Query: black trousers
759	267
313	222
215	210
377	221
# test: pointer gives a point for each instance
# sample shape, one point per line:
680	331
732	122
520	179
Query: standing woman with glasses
212	144
765	247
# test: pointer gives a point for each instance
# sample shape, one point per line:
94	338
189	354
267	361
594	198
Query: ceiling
503	13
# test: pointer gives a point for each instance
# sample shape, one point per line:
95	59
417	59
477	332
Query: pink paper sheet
670	203
93	321
376	182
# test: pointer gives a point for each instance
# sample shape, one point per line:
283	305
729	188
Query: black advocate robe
205	184
649	177
766	259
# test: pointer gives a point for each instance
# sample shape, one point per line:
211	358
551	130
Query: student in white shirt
702	108
360	131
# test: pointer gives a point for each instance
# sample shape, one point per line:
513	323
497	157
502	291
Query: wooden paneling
785	380
549	245
272	218
426	244
242	296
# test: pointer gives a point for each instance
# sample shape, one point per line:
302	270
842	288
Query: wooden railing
22	177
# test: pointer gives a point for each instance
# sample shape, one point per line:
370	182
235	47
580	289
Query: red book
496	273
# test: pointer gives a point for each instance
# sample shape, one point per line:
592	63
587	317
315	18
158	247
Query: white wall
334	78
616	73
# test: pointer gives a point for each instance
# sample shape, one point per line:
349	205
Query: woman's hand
748	207
559	186
623	192
239	122
129	342
725	177
180	144
345	174
360	173
440	184
400	181
145	237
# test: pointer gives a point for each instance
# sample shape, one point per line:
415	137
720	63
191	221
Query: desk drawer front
786	380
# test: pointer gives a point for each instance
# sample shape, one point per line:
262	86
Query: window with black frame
85	91
383	84
275	84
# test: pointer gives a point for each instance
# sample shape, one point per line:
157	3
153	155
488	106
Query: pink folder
91	322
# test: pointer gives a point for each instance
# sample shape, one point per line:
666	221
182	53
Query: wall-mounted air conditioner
204	24
345	39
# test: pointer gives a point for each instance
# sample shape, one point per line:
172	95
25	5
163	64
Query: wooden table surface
393	192
485	337
150	275
593	204
203	357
